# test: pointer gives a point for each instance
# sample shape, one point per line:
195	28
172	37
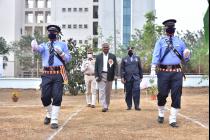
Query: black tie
51	56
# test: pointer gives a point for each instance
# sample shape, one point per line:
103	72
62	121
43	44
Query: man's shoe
54	125
89	105
129	108
160	119
137	109
104	109
92	106
47	120
174	124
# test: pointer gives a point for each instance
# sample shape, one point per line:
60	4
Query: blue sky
188	13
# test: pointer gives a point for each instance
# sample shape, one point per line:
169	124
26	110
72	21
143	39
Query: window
95	11
48	3
80	26
95	28
69	26
86	41
40	18
63	9
86	9
75	9
80	9
95	0
63	26
85	26
69	9
80	41
40	4
75	26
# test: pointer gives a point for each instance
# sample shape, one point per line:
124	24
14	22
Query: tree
144	40
23	52
4	48
75	76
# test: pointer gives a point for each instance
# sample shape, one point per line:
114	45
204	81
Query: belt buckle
51	68
169	67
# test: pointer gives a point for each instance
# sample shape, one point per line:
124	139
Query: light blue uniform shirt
43	49
171	58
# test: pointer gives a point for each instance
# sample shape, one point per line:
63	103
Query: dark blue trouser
132	91
52	88
170	81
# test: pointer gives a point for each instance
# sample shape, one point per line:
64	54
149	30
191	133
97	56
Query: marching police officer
87	68
168	53
54	56
131	76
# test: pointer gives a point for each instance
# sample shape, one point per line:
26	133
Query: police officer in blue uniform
54	55
168	54
131	76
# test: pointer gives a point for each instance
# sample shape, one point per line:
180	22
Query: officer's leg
87	92
57	99
102	90
136	93
108	92
93	91
128	96
46	97
163	91
176	92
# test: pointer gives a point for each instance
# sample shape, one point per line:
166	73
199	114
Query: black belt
169	66
53	68
104	72
90	74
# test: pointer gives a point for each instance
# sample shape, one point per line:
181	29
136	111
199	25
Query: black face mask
52	36
170	30
130	53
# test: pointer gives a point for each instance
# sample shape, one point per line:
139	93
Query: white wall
33	83
58	17
1	66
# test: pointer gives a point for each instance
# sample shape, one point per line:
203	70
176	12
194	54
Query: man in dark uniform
54	54
131	76
168	53
105	73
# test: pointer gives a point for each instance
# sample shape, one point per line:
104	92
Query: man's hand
123	81
60	52
153	73
34	45
186	53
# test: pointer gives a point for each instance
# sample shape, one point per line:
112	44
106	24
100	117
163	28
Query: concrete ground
23	120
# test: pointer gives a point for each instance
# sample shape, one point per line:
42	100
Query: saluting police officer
54	55
131	76
168	53
87	68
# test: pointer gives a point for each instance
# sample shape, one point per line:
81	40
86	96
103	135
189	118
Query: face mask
130	53
170	30
89	56
52	36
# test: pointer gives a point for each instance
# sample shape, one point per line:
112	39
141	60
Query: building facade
86	21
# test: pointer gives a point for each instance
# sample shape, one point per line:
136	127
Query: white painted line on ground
191	119
27	106
188	118
68	119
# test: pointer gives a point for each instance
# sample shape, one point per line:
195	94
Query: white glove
34	45
186	53
153	73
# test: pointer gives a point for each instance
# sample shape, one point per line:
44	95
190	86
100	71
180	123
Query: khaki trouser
105	88
90	84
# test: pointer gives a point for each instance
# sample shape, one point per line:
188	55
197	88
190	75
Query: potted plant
15	96
152	90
